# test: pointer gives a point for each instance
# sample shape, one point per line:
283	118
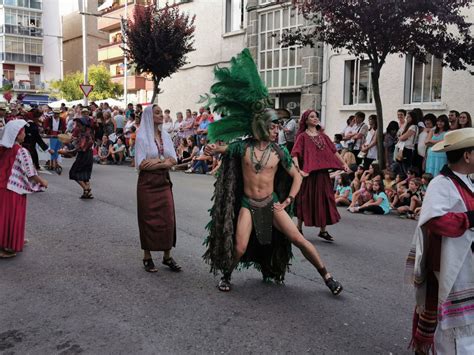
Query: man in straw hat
441	261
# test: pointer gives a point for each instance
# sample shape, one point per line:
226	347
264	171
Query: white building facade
404	84
220	34
30	44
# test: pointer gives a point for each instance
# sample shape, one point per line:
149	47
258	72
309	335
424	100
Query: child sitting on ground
411	199
378	204
363	195
343	194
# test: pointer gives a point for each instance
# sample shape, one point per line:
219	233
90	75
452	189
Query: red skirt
156	215
12	220
315	203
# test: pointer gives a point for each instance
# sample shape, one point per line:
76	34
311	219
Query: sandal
171	264
149	265
334	285
4	254
87	195
326	236
224	284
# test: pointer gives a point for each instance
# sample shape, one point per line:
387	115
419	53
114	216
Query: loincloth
261	211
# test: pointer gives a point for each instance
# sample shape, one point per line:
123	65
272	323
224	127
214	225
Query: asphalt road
79	286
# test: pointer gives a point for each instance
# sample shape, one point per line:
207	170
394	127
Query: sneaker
189	171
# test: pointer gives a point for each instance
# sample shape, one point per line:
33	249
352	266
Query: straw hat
454	140
56	110
65	138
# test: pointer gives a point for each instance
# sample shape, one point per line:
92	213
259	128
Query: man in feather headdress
256	184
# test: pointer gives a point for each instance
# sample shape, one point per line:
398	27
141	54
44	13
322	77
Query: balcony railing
26	85
21	58
22	30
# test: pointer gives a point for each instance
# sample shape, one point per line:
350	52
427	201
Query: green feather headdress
241	96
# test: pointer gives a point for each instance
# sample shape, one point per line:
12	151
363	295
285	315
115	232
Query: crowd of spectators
411	164
398	187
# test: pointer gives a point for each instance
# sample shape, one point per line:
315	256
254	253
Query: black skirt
82	168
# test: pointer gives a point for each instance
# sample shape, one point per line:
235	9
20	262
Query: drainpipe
324	86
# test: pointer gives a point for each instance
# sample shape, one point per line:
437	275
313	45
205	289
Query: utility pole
84	46
125	61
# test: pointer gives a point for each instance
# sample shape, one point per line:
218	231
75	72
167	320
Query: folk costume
16	167
54	126
32	139
242	97
441	265
315	203
156	212
82	141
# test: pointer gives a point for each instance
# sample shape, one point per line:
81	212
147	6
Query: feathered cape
272	260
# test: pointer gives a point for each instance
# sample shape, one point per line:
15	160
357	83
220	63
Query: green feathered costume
242	98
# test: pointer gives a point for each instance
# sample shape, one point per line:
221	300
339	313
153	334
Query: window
234	15
279	67
9	72
357	82
423	81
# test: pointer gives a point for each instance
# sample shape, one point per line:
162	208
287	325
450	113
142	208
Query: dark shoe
149	265
224	284
334	285
326	236
171	264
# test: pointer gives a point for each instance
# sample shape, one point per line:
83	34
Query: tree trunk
156	91
378	108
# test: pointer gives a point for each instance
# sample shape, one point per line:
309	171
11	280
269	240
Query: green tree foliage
373	29
157	41
98	75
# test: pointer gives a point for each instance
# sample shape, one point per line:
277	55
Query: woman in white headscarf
18	177
154	156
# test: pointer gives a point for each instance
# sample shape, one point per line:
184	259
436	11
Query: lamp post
84	46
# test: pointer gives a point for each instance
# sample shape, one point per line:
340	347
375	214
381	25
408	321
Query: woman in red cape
18	177
315	154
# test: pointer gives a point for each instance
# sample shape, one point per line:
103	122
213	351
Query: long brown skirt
315	203
156	215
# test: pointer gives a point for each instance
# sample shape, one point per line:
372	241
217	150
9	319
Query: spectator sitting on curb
343	194
118	151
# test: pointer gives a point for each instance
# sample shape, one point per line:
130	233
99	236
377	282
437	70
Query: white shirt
56	122
362	129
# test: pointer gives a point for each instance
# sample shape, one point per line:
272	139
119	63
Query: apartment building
30	45
139	89
72	37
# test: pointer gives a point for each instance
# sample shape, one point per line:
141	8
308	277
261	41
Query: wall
457	93
51	42
72	39
213	47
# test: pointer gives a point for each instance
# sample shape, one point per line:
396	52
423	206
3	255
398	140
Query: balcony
21	58
22	30
134	82
115	11
27	85
110	52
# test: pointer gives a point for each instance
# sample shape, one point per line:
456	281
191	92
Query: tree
98	75
373	29
157	41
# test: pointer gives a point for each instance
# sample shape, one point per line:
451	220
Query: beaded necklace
260	164
160	146
317	140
